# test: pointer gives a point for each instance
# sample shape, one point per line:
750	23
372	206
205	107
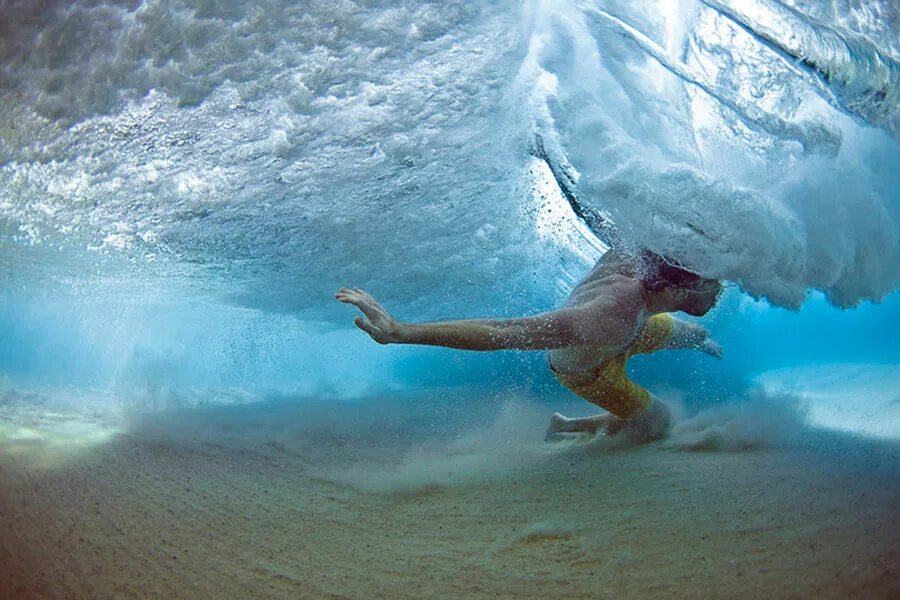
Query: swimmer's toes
713	348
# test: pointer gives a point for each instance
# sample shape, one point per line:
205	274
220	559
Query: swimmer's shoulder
612	289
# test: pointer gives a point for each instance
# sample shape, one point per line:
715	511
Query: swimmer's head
700	299
675	288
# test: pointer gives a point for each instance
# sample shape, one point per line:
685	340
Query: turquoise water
186	411
183	188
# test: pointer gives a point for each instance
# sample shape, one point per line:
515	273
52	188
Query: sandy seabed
244	502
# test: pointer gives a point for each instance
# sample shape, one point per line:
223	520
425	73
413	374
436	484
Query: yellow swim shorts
608	385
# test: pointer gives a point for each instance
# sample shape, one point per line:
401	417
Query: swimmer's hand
378	322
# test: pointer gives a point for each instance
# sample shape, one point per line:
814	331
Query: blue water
183	188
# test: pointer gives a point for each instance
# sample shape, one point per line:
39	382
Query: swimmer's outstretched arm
546	331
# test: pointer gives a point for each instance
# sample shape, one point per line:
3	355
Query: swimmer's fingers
364	325
364	302
348	296
375	333
344	294
378	322
354	296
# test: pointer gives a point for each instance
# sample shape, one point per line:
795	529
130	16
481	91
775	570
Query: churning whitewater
753	142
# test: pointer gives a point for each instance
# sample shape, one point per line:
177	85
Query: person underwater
621	308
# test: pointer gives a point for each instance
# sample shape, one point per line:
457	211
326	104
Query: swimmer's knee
652	424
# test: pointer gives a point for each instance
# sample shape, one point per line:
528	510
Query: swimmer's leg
650	425
691	336
590	425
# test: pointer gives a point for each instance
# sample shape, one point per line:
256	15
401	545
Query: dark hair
661	272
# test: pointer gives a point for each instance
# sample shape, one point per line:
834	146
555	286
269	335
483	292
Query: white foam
711	172
301	144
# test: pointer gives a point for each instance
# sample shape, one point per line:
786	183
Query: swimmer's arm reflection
546	331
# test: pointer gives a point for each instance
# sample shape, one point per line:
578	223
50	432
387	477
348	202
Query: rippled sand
234	503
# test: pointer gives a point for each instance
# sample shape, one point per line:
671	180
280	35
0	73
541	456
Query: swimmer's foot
558	424
693	336
650	425
712	347
590	425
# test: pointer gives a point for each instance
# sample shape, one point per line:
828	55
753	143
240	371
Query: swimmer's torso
612	278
